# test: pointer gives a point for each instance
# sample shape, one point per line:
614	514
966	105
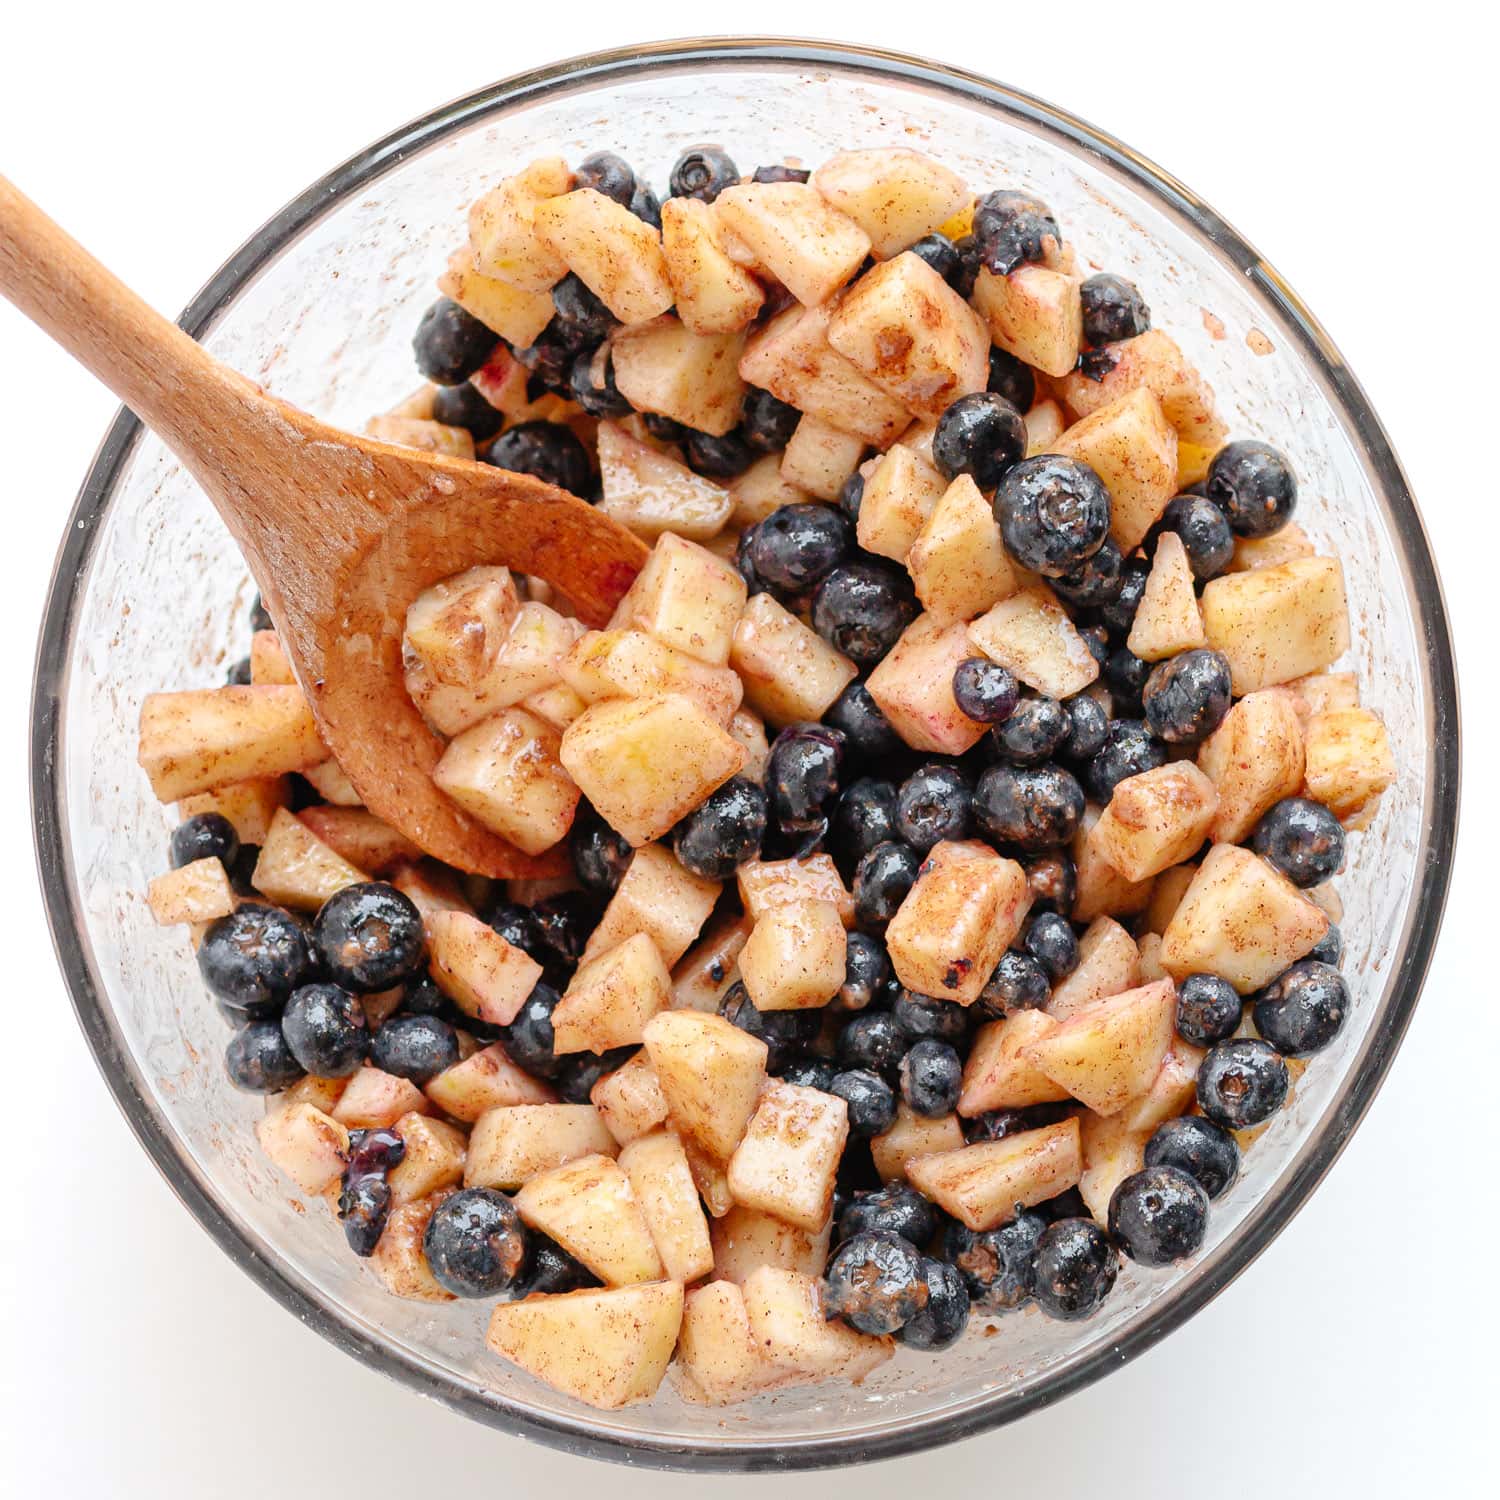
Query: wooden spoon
340	532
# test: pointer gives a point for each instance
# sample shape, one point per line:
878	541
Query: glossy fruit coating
704	173
862	607
881	882
1050	940
600	855
1158	1215
326	1030
1076	1269
1206	535
414	1047
1054	513
876	1282
1113	309
547	450
998	1265
254	958
1013	228
1302	839
981	435
984	690
931	1076
259	1061
370	937
1253	484
1208	1009
797	546
1206	1152
1031	808
724	830
475	1243
871	1101
1242	1082
1302	1009
1129	748
935	803
1033	733
942	1322
892	1209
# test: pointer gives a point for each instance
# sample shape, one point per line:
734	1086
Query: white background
1356	1357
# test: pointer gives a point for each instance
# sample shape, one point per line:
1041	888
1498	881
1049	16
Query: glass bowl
319	306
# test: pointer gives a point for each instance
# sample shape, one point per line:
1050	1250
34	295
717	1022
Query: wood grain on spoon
340	532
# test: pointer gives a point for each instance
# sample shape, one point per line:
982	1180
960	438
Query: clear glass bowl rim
1316	1155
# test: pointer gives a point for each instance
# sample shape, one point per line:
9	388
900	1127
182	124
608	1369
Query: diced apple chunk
1034	313
808	246
686	598
958	563
791	1330
196	892
487	1080
556	706
615	253
1031	635
761	490
1153	361
482	974
913	687
745	1239
897	196
912	1136
1167	892
650	494
332	784
1276	624
434	1158
702	976
999	1075
1167	620
399	1259
607	1348
717	1356
457	626
268	661
1132	447
790	672
1325	692
359	837
308	1145
511	1144
794	959
610	998
589	1207
1101	887
820	458
1242	920
984	1185
957	921
297	869
1111	1153
1156	819
517	316
1349	761
694	378
748	729
1108	964
1044	425
1254	759
710	1072
196	741
901	492
1171	1090
787	1161
429	437
711	1176
631	664
714	295
663	1183
645	763
249	806
502	235
659	897
630	1100
375	1100
1285	545
766	884
321	1093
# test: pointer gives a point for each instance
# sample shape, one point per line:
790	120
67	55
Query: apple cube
912	1136
517	316
1325	692
432	888
694	378
649	493
297	869
808	246
399	1259
1286	545
359	837
428	437
792	358
502	233
686	598
794	958
901	492
1044	426
1101	887
1242	920
713	294
1108	964
1254	759
511	1144
1154	362
1150	947
761	489
456	627
748	730
1167	892
913	687
487	1080
787	1161
308	1145
434	1158
1034	313
957	921
645	763
1349	761
332	784
913	335
897	196
790	672
268	661
321	1093
375	1100
615	253
710	1072
711	1176
1031	635
958	563
1167	620
766	884
482	974
610	998
659	897
792	1332
702	978
1171	1091
556	706
984	1185
630	1100
658	1171
1111	1153
820	458
249	806
745	1239
198	740
608	664
718	1361
999	1074
589	1207
1156	819
196	892
607	1348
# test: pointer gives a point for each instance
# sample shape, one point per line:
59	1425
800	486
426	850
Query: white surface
1353	1358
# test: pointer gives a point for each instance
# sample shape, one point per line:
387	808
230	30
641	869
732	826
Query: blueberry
204	836
872	1040
1158	1215
259	1061
1051	941
1088	725
645	205
867	971
785	1032
414	1047
464	406
528	1038
254	958
866	730
725	830
802	775
548	451
998	1265
1076	1268
372	1153
579	1074
1031	808
852	496
999	1124
364	1208
600	855
1205	532
1253	484
1119	614
767	422
1208	1009
1012	378
875	1282
1186	697
863	606
871	1101
1096	639
260	616
780	172
1053	512
942	1322
369	936
421	997
984	690
1242	1082
1112	309
1302	839
931	1076
754	583
551	1270
608	174
935	803
582	321
1053	881
882	880
1013	228
1129	748
1330	949
981	435
894	1208
970	252
938	252
239	673
519	926
326	1030
1033	733
566	920
922	1018
664	429
584	377
864	817
1018	982
703	172
1096	581
1302	1009
451	344
797	546
548	361
1205	1151
722	457
1125	673
809	1073
475	1243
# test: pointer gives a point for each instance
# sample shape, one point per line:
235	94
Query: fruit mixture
940	833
